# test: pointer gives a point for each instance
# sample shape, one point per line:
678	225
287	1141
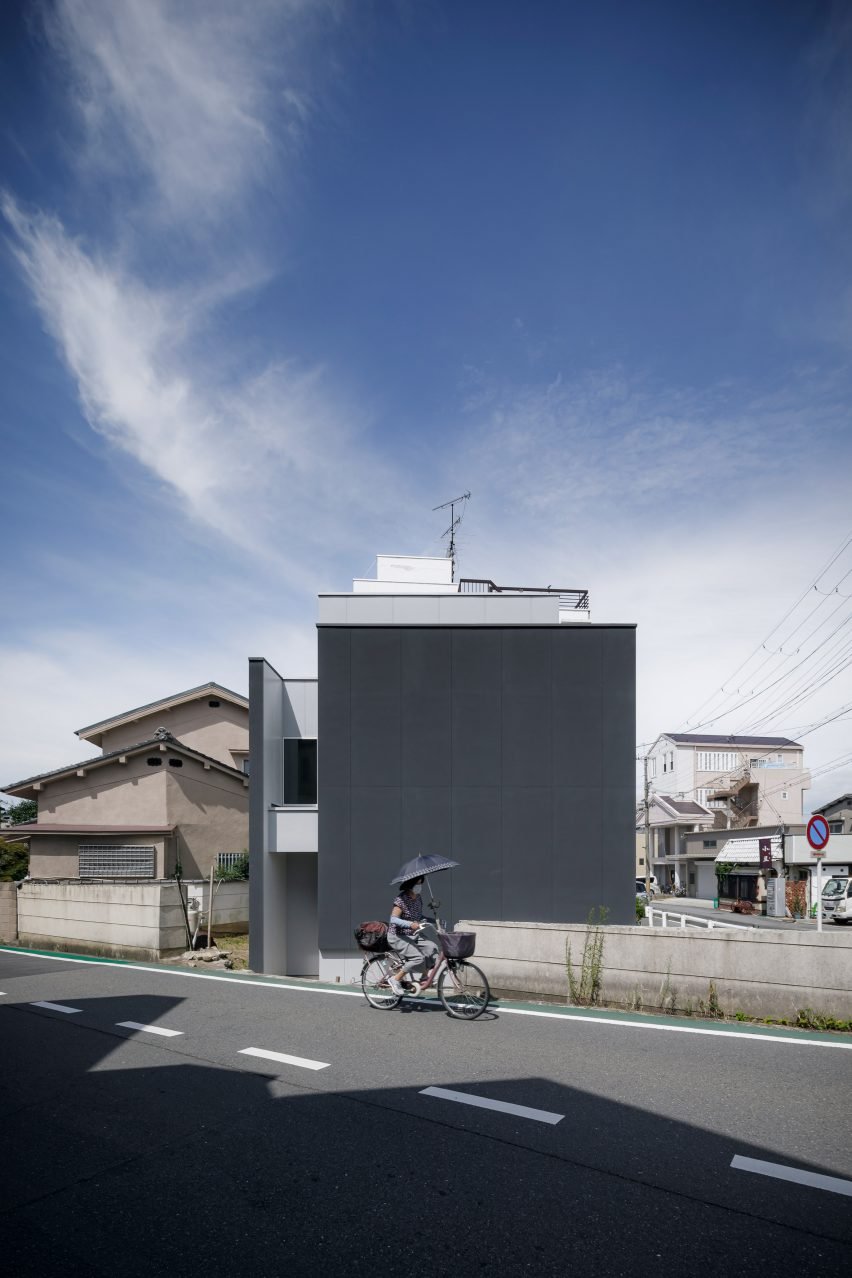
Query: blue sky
276	282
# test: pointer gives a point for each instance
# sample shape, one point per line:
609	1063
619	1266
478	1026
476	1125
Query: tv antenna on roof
451	531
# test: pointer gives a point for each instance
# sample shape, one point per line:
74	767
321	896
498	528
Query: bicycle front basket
457	945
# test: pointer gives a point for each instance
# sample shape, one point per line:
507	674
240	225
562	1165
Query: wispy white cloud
197	101
269	460
200	96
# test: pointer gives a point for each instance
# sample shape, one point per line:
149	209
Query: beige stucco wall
214	731
8	911
209	807
210	810
113	794
56	856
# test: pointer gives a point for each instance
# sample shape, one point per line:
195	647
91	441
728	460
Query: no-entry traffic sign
818	834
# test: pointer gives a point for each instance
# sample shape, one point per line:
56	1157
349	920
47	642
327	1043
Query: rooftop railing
569	599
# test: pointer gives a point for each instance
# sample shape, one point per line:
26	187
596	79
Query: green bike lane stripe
512	1007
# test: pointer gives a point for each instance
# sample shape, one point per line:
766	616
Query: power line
688	722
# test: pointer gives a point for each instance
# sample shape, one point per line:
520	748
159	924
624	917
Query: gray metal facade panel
476	738
477	883
333	693
426	820
375	707
526	753
533	722
577	845
477	660
618	701
334	866
619	832
376	852
577	673
527	841
426	701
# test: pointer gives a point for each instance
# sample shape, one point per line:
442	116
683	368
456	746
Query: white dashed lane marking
300	1061
149	1029
56	1007
797	1175
503	1107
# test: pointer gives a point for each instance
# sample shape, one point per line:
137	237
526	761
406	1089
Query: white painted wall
797	850
300	708
415	609
293	829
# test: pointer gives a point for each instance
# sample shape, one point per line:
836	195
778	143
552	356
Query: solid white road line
57	1007
149	1029
504	1107
735	1035
284	1058
833	1184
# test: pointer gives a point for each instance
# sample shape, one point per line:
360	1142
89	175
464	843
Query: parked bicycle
462	987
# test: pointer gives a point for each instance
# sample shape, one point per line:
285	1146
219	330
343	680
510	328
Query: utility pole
647	791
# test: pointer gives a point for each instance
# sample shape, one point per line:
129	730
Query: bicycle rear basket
457	945
372	937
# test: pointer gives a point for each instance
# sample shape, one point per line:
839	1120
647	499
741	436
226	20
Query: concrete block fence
8	911
759	972
124	920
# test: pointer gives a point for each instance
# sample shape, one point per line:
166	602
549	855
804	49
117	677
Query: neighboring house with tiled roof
701	782
153	799
210	718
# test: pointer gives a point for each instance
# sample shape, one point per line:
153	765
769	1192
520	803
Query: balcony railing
576	600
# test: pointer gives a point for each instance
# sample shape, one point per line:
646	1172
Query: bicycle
462	987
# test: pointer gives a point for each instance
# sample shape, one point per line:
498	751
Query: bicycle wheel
374	984
464	990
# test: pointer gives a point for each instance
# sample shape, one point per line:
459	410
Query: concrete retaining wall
760	972
126	920
8	911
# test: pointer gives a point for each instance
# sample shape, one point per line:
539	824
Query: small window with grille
116	861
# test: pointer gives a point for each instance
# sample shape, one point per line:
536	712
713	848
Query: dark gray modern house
495	726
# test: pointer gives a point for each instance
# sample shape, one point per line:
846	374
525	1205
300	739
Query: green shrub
640	910
585	990
807	1018
234	873
14	861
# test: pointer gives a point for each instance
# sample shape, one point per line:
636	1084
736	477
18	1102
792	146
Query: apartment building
700	784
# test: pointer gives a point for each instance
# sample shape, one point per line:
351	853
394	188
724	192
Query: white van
837	899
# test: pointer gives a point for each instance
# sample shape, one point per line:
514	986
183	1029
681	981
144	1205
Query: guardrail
665	915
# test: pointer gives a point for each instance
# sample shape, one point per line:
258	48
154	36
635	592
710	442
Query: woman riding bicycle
406	922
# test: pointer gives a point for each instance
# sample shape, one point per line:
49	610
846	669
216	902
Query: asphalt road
149	1154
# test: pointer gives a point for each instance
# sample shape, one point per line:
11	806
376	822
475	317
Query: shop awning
747	851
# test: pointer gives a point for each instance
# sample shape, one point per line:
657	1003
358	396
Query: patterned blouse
411	908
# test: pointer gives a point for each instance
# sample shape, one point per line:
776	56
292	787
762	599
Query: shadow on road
133	1158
